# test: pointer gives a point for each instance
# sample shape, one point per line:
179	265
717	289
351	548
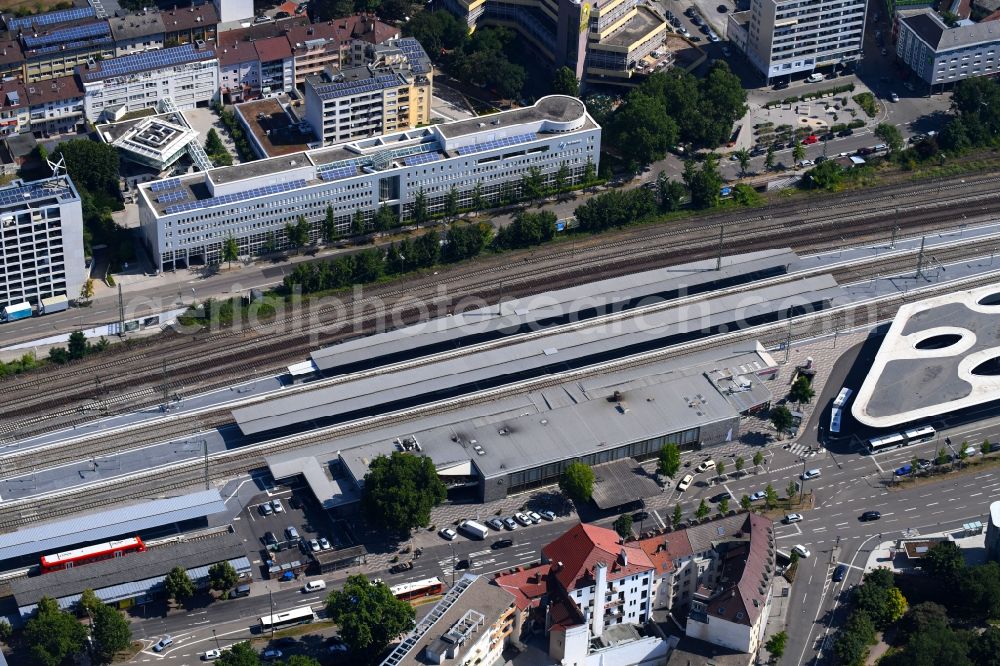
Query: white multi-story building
941	55
55	105
41	252
784	37
484	158
187	75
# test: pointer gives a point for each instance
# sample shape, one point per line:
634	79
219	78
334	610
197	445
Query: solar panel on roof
51	18
496	143
61	35
422	158
140	62
339	173
170	197
236	196
73	45
161	185
347	88
17	195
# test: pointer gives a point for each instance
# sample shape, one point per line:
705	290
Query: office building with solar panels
392	92
41	250
187	75
188	219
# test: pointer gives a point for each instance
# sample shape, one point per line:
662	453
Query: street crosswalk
802	451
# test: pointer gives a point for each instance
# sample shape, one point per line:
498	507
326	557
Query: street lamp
219	647
453	564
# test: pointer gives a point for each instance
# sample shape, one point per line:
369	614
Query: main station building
190	218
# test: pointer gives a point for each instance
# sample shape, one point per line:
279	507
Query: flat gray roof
538	307
621	482
58	536
562	422
511	364
156	561
560	108
907	384
637	27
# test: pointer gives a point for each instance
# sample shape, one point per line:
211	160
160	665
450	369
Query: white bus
886	443
920	435
287	618
835	416
837	413
841	400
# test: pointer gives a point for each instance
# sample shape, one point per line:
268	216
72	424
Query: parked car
869	516
324	544
839	573
277	506
211	655
685	483
806	163
705	466
780	85
905	470
864	151
265	509
801	550
495	523
336	644
314	545
722	496
820	159
639	516
811	474
461	564
292	533
270	539
847	131
163	644
401	567
810	140
502	543
510	523
792	518
757	496
879	147
548	515
815	77
271	653
923	463
893	97
448	534
535	518
971	451
829	136
522	519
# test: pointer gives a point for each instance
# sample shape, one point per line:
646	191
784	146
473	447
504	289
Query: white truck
474	529
54	304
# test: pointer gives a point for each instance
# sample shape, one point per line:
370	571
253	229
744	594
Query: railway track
161	481
197	362
241	351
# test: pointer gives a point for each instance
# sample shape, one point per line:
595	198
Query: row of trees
877	604
54	636
216	150
240	140
675	107
243	654
78	347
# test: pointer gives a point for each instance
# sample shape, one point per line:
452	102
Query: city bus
418	588
920	435
287	618
836	414
885	443
841	400
86	555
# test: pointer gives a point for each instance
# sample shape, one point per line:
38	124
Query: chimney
600	590
623	557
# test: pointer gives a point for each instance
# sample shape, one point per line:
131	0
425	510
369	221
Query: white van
314	586
815	78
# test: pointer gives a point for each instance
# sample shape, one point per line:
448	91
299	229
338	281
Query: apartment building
472	624
56	105
187	75
942	55
135	32
14	113
601	40
190	25
391	93
189	218
785	37
11	58
54	44
41	252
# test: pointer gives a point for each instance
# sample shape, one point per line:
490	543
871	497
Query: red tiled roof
563	614
663	549
10	51
275	48
583	547
289	7
235	53
995	16
186	18
54	90
746	562
527	585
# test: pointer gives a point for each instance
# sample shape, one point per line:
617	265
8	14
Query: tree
533	184
739	463
851	645
746	503
743	157
758	458
623	525
59	355
297	233
776	644
769	158
329	225
702	510
451	203
239	654
825	176
944	561
562	177
400	491
88	603
802	390
671	193
92	165
781	419
301	660
478	203
770	496
565	83
222	576
385	218
706	185
791	489
419	213
896	603
891	135
589	171
178	585
921	618
53	635
642	129
111	632
87	290
720	468
436	31
942	456
357	223
391	11
77	345
724	506
678	515
465	241
670	459
230	250
985	649
368	615
798	151
577	481
963	454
